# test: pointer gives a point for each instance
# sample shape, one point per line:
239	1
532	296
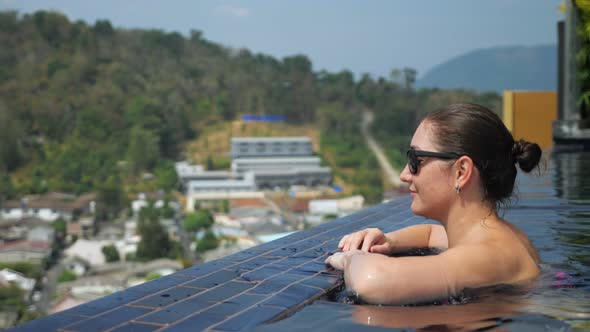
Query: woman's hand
340	260
368	240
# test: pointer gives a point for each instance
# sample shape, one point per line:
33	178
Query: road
391	173
49	286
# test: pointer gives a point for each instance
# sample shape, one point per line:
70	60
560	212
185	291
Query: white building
89	251
279	161
50	207
8	276
339	207
245	147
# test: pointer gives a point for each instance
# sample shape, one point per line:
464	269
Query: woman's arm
380	279
417	236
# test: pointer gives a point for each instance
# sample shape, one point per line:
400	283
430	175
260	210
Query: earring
457	190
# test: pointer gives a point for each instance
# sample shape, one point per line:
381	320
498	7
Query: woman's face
432	187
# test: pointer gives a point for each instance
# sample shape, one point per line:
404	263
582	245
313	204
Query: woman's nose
405	175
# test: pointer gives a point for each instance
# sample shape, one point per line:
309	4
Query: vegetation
28	269
111	254
154	238
67	275
11	298
196	221
93	108
583	60
152	276
207	242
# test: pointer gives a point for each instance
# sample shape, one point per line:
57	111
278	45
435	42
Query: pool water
553	208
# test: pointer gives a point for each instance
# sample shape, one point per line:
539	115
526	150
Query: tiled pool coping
261	284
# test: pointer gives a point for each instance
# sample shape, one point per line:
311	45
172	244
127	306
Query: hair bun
526	154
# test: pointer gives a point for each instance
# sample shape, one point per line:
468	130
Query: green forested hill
86	107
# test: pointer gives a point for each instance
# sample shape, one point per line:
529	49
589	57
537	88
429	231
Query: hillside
497	69
89	107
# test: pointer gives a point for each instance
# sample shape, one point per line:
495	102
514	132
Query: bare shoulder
504	237
503	255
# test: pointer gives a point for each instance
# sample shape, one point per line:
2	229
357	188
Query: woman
461	167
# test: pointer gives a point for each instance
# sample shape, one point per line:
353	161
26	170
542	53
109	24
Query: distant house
89	251
144	200
50	207
19	251
42	233
8	276
336	206
12	230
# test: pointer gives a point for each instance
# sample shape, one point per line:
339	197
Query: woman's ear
464	171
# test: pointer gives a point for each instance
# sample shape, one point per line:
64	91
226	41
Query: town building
257	163
23	250
49	207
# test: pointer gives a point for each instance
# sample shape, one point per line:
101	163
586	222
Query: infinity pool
553	208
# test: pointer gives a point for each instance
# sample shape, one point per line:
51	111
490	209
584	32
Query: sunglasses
414	163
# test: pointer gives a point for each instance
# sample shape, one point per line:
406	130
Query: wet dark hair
475	131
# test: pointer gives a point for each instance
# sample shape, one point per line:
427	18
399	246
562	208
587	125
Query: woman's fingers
380	249
336	260
369	240
362	240
342	242
357	239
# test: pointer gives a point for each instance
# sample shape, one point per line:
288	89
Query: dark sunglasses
414	163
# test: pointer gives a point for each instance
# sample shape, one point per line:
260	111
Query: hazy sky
371	36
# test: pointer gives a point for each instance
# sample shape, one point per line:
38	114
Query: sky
363	36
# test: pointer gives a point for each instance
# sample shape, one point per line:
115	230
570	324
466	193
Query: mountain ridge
497	69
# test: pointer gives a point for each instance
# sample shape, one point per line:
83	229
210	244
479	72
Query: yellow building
530	115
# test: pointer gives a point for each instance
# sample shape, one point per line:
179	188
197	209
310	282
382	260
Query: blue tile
108	320
244	255
247	299
106	303
159	284
136	327
48	323
228	308
321	281
268	287
197	322
289	262
176	311
214	279
249	319
313	266
205	268
262	273
224	291
168	296
256	262
293	295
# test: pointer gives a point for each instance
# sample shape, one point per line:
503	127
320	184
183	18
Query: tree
111	198
166	176
154	238
409	77
66	275
197	220
144	151
11	298
207	242
7	190
111	254
11	137
60	227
